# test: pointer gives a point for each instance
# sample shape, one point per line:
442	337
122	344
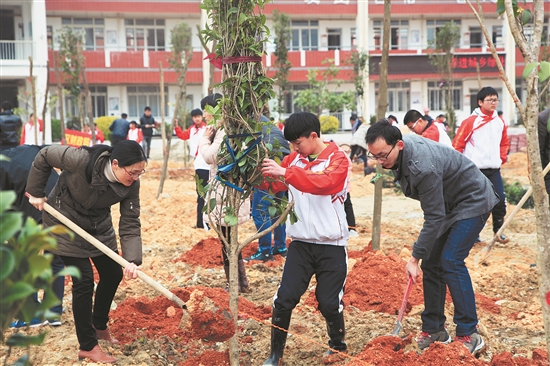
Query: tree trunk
89	102
59	96
381	113
165	151
34	111
45	107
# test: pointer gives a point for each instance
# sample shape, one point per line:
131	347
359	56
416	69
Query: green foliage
522	15
103	124
543	70
281	28
359	61
72	60
329	124
318	97
56	129
515	192
182	53
24	270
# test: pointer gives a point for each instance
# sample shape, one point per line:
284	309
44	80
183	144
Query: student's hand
131	271
209	131
413	269
270	167
38	203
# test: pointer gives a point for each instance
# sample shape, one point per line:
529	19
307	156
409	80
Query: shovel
117	258
398	324
484	253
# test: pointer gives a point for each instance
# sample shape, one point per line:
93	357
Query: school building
126	40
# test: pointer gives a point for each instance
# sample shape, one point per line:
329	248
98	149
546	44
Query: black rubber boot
336	330
243	281
280	319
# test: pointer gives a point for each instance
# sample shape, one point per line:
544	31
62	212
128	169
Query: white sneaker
353	234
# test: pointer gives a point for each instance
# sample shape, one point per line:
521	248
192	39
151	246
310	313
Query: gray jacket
87	204
448	185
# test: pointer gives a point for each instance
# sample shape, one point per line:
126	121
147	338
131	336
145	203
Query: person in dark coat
544	143
456	199
10	125
13	176
119	129
92	180
147	123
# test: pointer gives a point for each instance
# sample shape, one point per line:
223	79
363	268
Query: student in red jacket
418	124
316	174
27	134
134	133
483	138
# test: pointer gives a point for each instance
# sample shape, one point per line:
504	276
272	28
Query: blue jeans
446	268
262	220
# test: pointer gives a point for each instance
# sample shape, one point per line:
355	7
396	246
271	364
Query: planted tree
71	62
358	60
238	28
281	28
441	57
320	96
517	17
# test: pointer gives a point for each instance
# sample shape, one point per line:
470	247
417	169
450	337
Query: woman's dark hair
383	129
211	100
127	152
301	124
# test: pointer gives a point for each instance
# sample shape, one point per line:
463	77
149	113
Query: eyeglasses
134	175
382	158
492	101
414	125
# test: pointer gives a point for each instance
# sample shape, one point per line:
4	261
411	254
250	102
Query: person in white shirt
27	134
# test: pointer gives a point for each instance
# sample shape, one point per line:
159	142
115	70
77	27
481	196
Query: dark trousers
446	268
146	143
58	286
226	231
116	139
86	316
203	175
329	263
350	215
499	211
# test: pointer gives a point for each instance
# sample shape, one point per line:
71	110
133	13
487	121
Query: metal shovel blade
398	324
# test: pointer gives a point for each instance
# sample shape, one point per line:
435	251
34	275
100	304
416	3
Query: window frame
147	28
82	25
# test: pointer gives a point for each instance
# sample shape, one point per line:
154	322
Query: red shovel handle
405	299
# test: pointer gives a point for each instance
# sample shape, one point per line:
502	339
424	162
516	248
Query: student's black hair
392	117
127	152
412	116
147	108
301	124
485	92
124	115
211	100
134	122
6	105
383	129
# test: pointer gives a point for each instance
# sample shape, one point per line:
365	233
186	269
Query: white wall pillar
363	45
507	103
205	63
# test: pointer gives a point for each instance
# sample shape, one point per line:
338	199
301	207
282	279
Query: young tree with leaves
518	16
441	56
239	32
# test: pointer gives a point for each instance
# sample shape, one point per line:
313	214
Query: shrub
515	192
103	124
56	129
329	124
24	270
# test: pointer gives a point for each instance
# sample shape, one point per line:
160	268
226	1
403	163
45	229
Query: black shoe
280	251
260	256
280	319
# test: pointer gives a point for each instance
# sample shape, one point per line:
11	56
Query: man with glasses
428	129
483	138
456	199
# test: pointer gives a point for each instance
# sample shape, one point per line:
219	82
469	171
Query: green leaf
526	16
211	205
272	211
69	271
4	158
21	340
11	224
500	7
6	200
544	71
17	291
231	219
529	68
7	262
293	217
38	264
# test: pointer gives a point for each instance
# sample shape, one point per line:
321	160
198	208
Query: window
436	95
497	36
476	37
334	36
140	97
353	40
92	29
289	98
141	33
433	27
305	35
398	96
49	35
99	100
399	34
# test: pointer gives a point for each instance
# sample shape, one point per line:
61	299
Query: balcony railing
16	50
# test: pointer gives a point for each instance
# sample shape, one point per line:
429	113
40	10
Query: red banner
76	138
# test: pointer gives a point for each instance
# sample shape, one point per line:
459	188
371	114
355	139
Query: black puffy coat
10	125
